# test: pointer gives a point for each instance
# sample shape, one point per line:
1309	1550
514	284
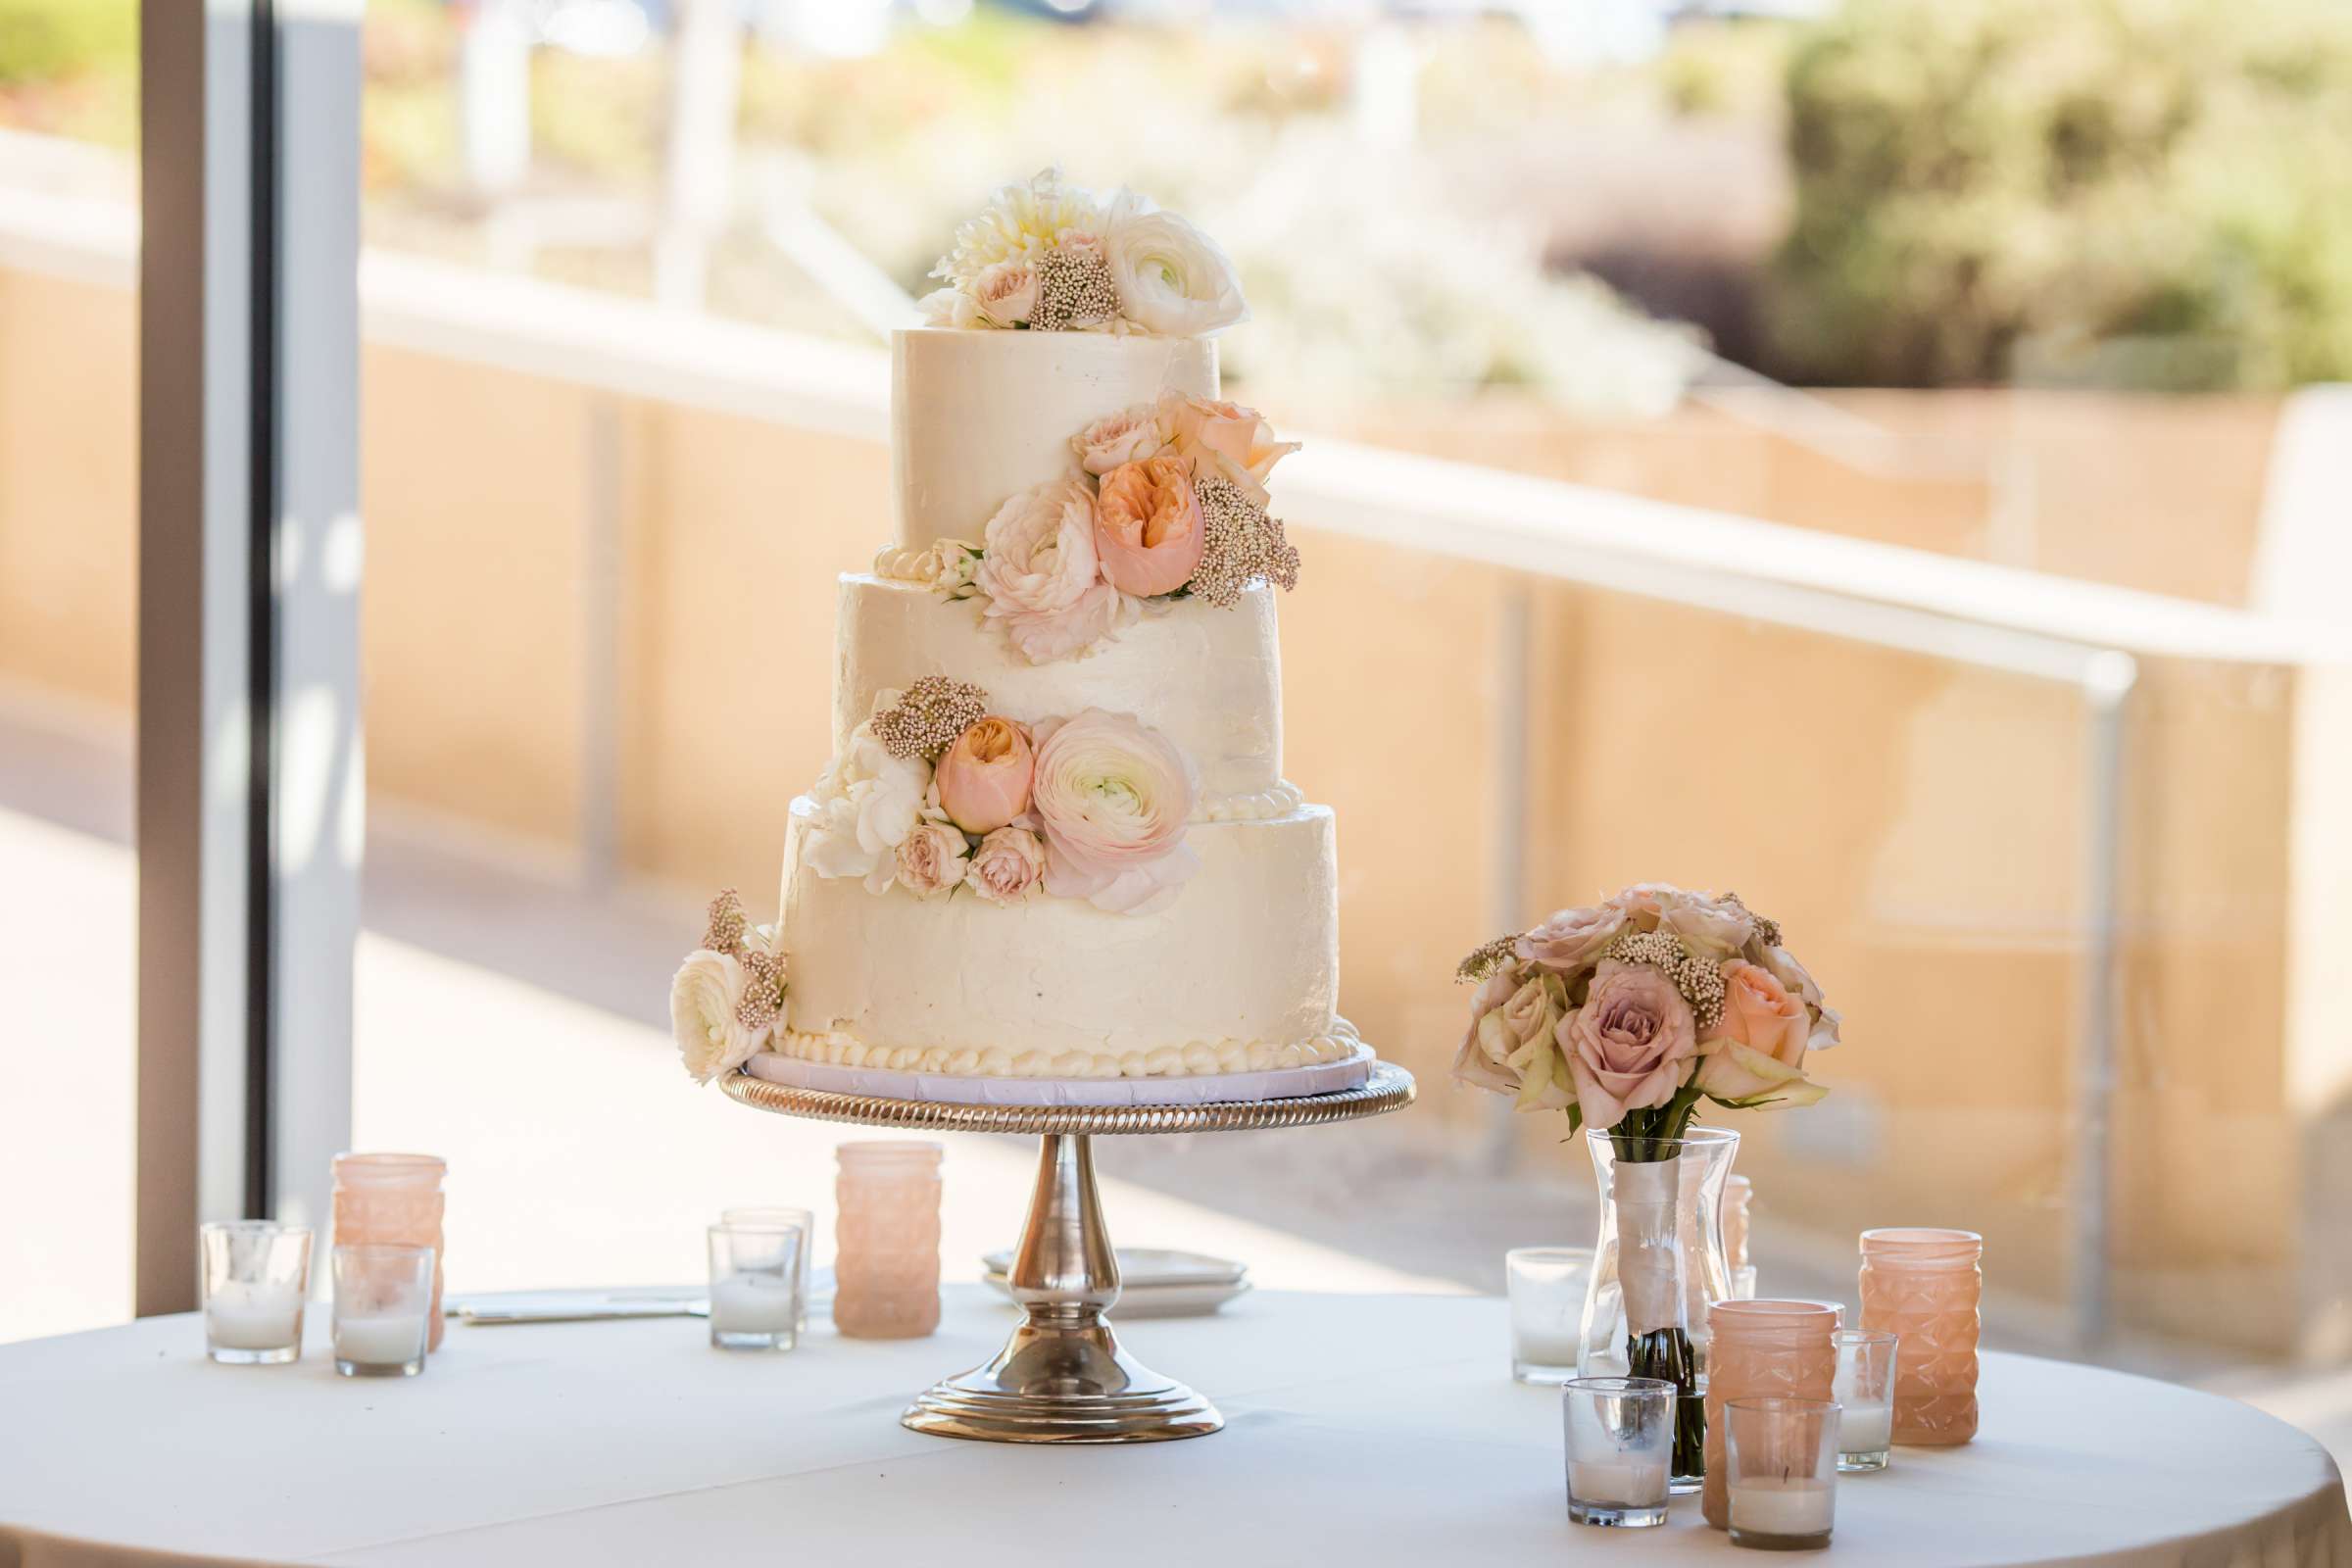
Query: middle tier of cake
1242	968
1209	679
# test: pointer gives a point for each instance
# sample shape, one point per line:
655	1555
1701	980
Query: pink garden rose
1114	795
1148	528
931	860
1224	438
1629	1047
1006	292
1128	436
1572	939
1043	581
983	778
1006	869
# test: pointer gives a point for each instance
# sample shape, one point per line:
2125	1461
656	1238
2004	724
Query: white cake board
1274	1083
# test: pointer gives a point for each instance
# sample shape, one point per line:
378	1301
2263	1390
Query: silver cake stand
1062	1377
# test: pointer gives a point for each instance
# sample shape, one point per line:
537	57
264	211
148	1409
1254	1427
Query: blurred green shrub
2002	183
43	40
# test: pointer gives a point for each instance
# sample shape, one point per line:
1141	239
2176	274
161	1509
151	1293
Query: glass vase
1658	1265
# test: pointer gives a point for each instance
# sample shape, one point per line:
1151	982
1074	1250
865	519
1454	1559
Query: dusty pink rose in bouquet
1148	528
983	779
1008	867
1572	939
1040	573
1114	795
1631	1046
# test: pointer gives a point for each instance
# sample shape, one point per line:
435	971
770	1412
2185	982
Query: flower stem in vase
1665	1354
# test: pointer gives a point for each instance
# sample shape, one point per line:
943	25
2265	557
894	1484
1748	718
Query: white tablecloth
1360	1430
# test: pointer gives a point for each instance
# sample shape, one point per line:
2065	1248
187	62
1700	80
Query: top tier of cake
977	418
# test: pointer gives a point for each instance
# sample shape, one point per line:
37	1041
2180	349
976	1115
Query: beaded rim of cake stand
1389	1088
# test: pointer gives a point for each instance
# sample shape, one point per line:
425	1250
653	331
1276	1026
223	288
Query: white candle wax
1865	1428
1546	1347
245	1315
751	1303
1627	1484
385	1339
1782	1506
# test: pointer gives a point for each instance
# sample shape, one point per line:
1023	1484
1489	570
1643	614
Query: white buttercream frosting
1208	679
981	416
1250	953
1192	1059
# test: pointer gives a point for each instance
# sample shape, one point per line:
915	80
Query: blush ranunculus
1172	278
983	778
1632	1044
703	998
1040	572
1114	795
1148	528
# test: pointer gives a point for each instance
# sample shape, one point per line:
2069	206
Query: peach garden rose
1148	528
983	779
1224	438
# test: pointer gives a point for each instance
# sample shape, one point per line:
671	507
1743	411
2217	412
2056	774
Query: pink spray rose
1629	1047
1128	436
1043	581
1006	869
1006	292
1114	795
1148	528
983	778
931	860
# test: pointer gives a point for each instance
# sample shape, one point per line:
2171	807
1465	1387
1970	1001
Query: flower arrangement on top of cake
1050	257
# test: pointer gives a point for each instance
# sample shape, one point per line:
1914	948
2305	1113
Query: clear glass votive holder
1865	1394
756	1273
1620	1449
773	1215
383	1309
1546	1287
1782	1461
256	1274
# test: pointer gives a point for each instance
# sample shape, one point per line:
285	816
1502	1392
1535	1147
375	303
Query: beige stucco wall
1917	827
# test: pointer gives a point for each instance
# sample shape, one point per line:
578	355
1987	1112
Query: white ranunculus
703	998
867	804
1172	280
951	306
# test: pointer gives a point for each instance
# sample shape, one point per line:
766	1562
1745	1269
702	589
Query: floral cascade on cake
1054	839
1626	1015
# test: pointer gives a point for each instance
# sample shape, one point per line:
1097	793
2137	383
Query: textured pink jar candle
1923	1286
886	1276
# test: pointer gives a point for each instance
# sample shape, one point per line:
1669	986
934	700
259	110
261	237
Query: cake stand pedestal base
1062	1377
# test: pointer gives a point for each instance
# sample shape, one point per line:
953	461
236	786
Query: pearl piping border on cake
1192	1060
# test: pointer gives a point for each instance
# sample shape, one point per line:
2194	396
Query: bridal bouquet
1626	1015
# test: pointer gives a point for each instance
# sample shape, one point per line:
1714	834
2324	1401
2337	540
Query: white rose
1006	292
1172	280
1043	581
932	859
703	998
1128	436
951	306
956	564
867	802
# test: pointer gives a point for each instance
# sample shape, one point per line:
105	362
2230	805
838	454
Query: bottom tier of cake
1240	973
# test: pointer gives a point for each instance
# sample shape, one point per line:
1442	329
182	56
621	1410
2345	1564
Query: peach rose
983	778
1759	1012
1127	436
1224	438
1147	530
1629	1047
1006	869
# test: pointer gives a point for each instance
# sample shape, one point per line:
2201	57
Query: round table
1360	1430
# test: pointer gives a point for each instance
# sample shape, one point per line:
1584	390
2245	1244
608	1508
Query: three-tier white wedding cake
1056	840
